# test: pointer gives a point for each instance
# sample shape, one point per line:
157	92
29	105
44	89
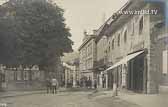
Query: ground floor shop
140	72
129	73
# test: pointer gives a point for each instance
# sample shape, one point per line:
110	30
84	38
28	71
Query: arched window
119	40
113	44
125	36
141	25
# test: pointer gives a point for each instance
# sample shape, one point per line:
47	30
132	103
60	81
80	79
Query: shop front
136	74
129	73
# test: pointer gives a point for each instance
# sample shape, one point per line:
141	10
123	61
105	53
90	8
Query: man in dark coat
48	85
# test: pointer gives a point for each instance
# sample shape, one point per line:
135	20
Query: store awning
124	60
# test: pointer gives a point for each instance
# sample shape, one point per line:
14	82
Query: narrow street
66	99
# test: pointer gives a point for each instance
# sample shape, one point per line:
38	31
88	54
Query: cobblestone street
66	99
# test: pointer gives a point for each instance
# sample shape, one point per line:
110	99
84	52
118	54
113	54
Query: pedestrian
86	83
54	84
48	85
95	83
89	83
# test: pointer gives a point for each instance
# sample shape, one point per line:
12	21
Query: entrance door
110	80
135	74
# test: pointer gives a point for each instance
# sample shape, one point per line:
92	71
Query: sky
87	15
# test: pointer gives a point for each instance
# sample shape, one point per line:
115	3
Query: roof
122	19
101	30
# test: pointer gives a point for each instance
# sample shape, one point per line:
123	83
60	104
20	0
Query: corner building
136	48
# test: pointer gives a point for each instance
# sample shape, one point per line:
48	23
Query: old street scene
83	53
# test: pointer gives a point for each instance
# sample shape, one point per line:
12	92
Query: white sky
87	15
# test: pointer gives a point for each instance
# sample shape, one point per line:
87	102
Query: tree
8	39
41	35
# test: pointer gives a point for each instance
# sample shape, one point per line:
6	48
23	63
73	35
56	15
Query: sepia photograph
83	53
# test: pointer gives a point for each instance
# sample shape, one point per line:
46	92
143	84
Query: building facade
135	57
87	53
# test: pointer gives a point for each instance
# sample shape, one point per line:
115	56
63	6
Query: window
165	62
113	44
141	25
26	76
15	75
2	77
119	40
109	47
125	36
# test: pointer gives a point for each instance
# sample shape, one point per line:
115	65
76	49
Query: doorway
135	78
110	79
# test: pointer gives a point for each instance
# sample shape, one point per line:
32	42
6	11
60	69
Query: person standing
95	84
48	85
54	85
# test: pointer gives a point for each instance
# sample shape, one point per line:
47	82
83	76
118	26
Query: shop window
141	25
125	36
165	62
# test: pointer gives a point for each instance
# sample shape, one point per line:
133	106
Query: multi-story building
101	57
135	47
87	53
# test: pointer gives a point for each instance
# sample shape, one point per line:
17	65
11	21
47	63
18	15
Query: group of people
52	85
87	82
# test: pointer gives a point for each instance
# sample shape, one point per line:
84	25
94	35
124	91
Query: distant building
87	52
21	78
71	74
